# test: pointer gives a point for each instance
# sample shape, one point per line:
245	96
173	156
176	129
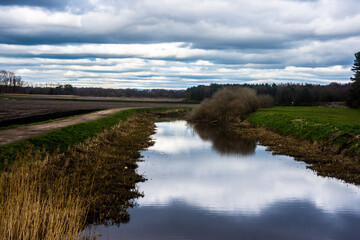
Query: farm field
90	98
24	111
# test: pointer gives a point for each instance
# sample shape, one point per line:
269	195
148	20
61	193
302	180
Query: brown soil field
22	111
75	97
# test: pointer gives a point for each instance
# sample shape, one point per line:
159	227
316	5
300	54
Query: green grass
63	138
330	126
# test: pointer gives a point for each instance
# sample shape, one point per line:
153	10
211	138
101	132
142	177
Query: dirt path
20	133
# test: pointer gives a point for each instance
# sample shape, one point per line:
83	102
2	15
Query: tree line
10	83
295	94
284	94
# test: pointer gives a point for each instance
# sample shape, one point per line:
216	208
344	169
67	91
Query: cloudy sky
175	44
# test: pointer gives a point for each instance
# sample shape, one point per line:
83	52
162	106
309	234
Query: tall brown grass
58	195
226	105
32	208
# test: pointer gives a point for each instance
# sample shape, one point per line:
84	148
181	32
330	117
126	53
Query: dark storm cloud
39	3
215	24
235	38
209	25
75	5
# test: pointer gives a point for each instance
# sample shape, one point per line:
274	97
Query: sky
175	44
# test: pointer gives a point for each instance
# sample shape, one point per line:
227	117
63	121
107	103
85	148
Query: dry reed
58	195
33	208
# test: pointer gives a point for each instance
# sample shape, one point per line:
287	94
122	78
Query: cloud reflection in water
182	167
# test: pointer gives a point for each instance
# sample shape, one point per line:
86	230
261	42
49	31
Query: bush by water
229	105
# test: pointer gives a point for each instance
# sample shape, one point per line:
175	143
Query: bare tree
9	82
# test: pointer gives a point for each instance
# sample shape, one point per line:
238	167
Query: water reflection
224	140
194	192
295	221
231	183
177	138
115	192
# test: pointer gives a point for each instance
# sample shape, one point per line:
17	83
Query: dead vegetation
228	105
56	196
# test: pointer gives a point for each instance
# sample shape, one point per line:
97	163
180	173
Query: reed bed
32	206
60	194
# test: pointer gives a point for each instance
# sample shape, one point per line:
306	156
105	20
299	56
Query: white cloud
183	42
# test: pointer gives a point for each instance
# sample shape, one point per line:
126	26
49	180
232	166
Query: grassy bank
338	130
57	195
61	139
325	138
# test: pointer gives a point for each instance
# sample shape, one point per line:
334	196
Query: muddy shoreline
324	160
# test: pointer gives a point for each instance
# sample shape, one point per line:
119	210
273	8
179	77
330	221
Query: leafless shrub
226	105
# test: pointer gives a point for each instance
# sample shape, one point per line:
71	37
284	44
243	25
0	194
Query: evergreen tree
354	96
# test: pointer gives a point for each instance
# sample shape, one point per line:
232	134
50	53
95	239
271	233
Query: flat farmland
23	110
90	98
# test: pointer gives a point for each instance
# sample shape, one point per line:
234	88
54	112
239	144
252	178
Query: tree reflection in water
224	140
115	191
104	170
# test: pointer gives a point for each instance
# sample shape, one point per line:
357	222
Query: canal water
204	183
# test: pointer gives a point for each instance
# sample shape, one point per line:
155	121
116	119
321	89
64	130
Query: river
204	183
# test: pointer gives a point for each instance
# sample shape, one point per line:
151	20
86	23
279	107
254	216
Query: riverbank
61	139
325	138
55	195
338	130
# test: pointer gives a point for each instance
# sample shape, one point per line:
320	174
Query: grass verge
337	130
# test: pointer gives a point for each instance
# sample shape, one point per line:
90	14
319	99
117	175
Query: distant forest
10	83
284	94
